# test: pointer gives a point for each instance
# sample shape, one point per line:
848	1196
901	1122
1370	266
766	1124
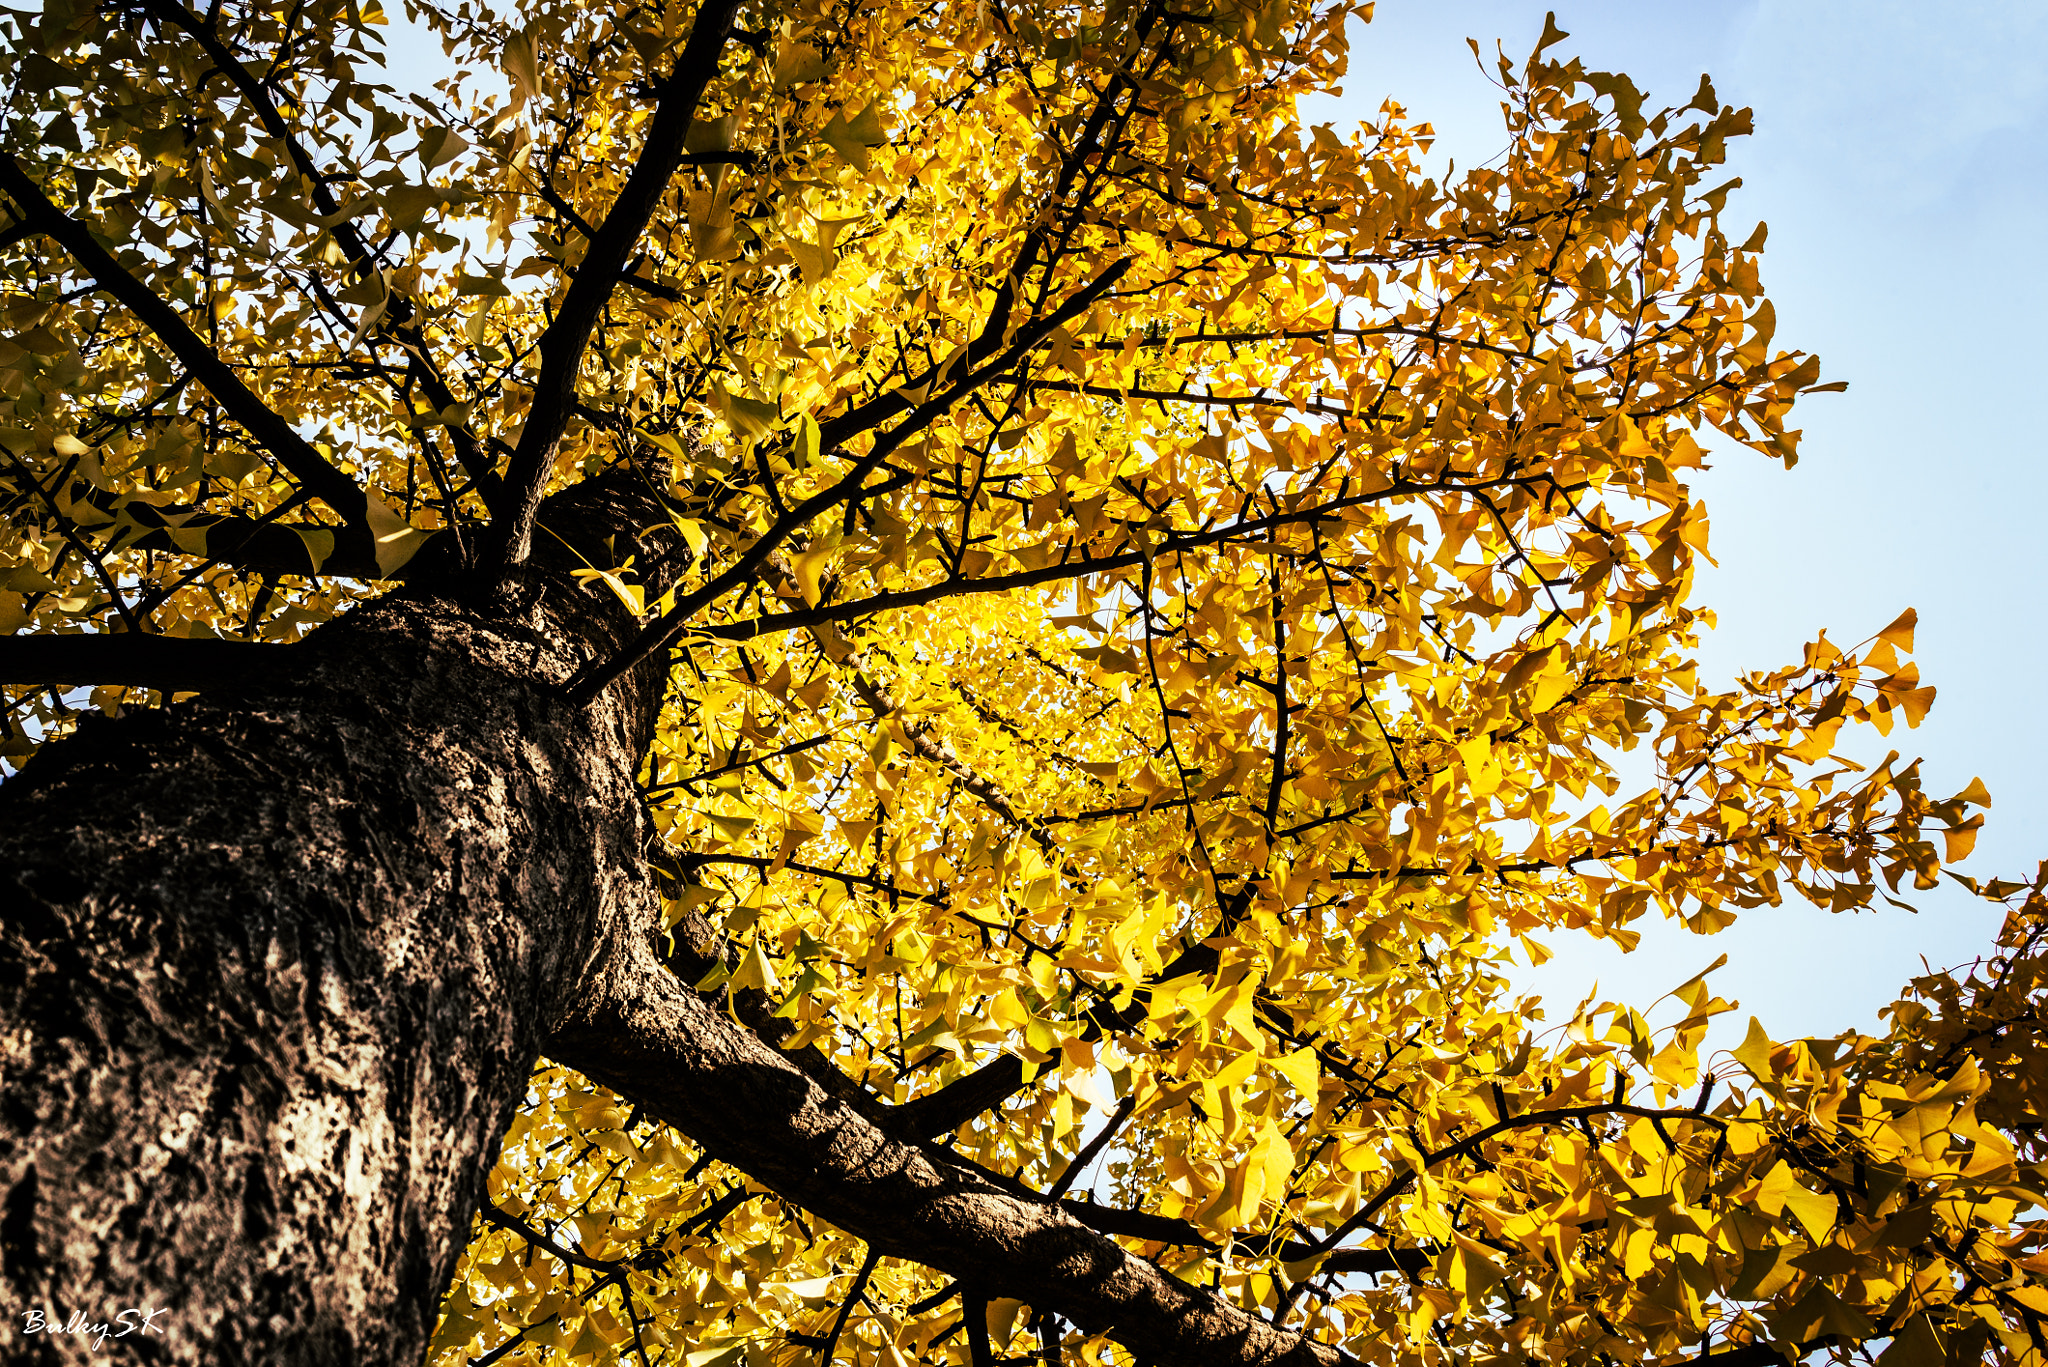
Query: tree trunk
277	962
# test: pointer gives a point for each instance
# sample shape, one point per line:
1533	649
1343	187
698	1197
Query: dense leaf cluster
1176	598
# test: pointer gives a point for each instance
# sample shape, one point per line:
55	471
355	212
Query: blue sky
1901	161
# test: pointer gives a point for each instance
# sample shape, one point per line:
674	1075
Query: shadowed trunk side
276	963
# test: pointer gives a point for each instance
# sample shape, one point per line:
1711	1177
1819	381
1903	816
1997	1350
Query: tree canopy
1174	600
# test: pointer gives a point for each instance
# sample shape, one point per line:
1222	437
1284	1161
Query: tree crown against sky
1155	602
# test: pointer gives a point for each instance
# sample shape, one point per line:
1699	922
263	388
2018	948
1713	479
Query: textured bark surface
275	965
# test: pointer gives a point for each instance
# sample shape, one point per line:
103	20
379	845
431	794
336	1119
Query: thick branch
247	543
260	544
269	430
697	951
562	345
644	1034
170	663
959	1101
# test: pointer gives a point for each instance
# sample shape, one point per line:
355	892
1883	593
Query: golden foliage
1202	581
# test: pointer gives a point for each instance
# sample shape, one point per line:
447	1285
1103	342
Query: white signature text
133	1320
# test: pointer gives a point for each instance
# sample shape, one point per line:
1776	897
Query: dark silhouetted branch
851	487
170	663
562	345
264	425
507	1221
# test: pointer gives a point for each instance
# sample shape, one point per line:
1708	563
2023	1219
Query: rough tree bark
276	964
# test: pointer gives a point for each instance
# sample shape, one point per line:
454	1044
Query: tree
890	682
